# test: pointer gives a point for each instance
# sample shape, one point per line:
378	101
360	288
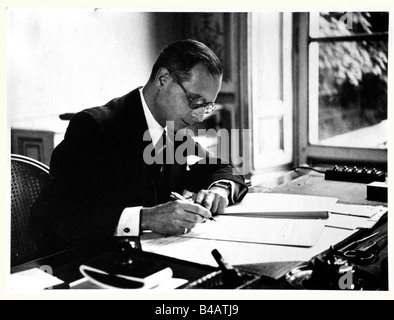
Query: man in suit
103	180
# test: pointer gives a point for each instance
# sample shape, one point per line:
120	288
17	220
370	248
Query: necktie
161	146
153	174
160	151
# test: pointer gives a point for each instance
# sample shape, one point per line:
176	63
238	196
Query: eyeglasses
199	102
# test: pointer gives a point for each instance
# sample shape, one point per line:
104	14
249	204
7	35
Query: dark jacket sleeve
66	215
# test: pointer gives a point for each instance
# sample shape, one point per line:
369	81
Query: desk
268	260
272	260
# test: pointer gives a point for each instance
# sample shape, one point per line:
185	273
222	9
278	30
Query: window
342	62
271	90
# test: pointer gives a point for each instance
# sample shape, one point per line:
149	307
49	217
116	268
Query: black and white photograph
183	151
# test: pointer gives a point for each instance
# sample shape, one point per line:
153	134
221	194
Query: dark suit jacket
98	171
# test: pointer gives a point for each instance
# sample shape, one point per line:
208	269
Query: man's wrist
224	185
222	191
144	218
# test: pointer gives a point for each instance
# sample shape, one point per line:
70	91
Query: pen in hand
177	196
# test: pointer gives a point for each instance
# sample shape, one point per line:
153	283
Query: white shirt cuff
232	191
129	223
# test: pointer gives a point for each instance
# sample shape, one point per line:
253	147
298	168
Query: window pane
348	94
329	24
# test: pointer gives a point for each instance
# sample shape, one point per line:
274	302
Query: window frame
278	109
313	154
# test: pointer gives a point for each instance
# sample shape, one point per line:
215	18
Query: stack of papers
359	210
348	216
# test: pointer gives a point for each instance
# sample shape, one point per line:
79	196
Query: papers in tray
275	205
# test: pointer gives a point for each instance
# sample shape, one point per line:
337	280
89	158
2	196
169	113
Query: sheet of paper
293	232
347	222
358	210
285	205
33	279
376	217
353	222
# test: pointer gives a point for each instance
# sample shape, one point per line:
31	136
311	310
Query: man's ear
162	78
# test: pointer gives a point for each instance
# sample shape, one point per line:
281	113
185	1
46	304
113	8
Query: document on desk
270	218
33	279
291	232
277	205
359	210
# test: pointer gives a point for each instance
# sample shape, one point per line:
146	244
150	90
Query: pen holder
214	280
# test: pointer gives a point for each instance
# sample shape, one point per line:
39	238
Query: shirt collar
155	129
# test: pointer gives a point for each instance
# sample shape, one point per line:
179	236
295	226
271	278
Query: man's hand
174	217
214	199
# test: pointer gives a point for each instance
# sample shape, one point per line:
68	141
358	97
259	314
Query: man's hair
181	56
